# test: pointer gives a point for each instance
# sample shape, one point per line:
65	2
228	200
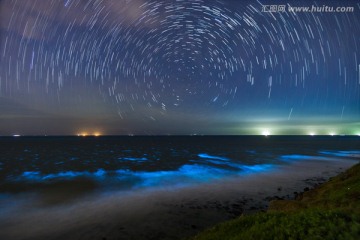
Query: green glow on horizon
310	129
266	132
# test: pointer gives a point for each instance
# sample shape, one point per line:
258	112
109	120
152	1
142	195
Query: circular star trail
151	59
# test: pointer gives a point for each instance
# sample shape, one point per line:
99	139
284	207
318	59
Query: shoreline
328	211
164	213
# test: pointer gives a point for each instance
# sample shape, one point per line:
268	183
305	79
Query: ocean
47	178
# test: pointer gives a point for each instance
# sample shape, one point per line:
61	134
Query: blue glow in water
258	168
100	173
134	159
351	152
147	163
152	179
229	164
67	174
204	155
251	151
341	153
37	176
202	172
185	175
207	170
122	172
297	157
31	175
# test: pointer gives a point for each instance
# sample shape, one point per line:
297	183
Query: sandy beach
162	213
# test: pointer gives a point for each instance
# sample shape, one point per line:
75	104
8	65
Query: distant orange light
86	134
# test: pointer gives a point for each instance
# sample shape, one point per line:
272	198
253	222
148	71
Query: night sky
178	67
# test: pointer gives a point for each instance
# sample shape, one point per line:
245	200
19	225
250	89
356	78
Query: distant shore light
86	134
312	134
266	133
332	134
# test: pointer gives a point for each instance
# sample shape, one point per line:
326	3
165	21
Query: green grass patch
341	192
330	211
307	224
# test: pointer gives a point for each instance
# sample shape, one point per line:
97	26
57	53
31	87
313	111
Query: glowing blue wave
185	175
297	157
342	153
134	159
38	176
204	155
204	169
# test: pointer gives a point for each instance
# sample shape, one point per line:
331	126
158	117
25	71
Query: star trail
179	67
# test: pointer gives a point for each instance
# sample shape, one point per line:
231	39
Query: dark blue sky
179	67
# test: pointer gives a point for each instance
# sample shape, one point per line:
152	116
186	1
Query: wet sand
162	213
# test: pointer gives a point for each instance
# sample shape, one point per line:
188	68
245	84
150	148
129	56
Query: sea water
46	178
144	162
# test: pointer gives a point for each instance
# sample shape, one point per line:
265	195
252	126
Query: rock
234	205
278	198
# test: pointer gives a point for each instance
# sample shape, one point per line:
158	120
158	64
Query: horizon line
173	135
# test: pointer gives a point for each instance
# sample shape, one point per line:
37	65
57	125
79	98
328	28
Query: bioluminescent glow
354	153
206	169
297	157
185	175
204	155
133	159
258	168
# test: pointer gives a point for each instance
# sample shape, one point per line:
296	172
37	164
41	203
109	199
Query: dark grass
330	211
